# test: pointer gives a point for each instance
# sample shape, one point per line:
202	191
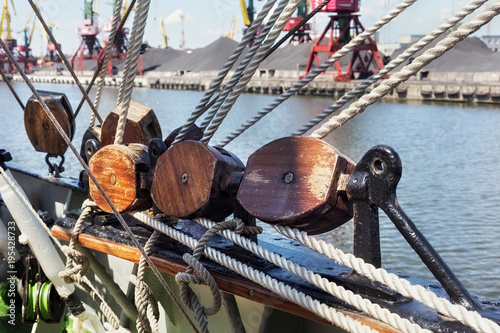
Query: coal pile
470	55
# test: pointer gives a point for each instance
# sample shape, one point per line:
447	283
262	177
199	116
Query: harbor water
450	153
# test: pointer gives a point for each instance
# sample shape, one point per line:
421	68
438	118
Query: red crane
89	47
344	25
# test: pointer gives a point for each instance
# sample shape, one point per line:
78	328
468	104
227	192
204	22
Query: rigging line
404	287
428	56
296	28
107	56
445	26
284	290
201	108
9	84
64	59
101	63
96	183
257	44
130	68
209	133
319	69
362	304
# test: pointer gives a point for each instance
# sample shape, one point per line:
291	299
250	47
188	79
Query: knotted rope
147	305
203	276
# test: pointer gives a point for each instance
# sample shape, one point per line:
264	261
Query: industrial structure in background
21	52
164	36
120	46
234	26
344	25
301	35
89	47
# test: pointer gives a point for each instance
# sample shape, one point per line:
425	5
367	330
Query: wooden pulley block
141	126
41	131
92	133
191	180
121	171
294	181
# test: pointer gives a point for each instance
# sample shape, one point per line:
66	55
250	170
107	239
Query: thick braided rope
318	70
76	272
244	64
444	27
324	311
417	64
402	286
332	288
144	298
130	68
214	86
107	57
250	71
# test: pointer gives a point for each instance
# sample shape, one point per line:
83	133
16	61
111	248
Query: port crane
163	35
234	24
89	47
344	25
302	35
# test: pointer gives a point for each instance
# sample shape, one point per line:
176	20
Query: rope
7	81
64	59
319	69
204	277
317	280
147	306
444	27
250	71
101	63
244	64
202	106
96	183
324	311
297	27
107	56
417	64
402	286
130	68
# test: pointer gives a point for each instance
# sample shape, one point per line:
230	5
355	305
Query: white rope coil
402	286
318	70
418	63
328	313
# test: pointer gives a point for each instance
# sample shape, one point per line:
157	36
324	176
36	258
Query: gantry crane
163	35
248	16
7	37
230	33
89	47
344	25
302	35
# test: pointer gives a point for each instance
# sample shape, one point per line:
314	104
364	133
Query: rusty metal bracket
372	185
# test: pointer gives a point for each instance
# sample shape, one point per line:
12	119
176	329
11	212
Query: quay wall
482	87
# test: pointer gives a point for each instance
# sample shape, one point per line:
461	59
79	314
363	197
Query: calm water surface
450	152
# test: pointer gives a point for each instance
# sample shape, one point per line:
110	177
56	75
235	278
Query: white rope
214	86
319	69
107	56
417	64
130	68
444	27
402	286
364	305
250	71
328	313
244	64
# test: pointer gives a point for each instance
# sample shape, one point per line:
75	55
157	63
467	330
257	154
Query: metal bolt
112	179
250	292
288	177
184	178
45	125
